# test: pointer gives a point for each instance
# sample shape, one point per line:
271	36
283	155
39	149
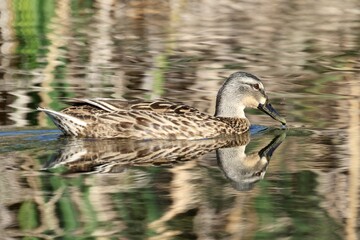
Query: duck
161	119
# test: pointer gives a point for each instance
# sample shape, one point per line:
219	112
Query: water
307	54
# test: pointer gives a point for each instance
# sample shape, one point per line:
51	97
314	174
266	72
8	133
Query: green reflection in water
28	216
89	212
159	74
290	209
66	209
31	19
139	207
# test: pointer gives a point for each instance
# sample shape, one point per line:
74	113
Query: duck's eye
256	86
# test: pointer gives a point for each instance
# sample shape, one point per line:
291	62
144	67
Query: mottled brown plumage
112	118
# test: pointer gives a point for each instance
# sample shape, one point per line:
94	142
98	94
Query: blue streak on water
14	133
48	137
256	129
39	135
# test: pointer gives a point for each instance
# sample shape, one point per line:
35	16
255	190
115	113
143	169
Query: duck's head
243	90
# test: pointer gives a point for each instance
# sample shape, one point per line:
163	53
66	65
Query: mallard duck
113	118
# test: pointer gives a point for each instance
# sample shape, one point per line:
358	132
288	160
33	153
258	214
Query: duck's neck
230	111
229	104
227	108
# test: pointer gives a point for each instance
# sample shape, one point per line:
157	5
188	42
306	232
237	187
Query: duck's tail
69	125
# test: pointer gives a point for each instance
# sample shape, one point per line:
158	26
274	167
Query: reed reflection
111	156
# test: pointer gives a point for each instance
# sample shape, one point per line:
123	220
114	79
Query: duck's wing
108	118
114	105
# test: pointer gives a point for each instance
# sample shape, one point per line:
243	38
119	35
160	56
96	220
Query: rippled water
301	183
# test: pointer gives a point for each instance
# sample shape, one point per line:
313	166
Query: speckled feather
107	118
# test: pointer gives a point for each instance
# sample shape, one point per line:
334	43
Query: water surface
307	55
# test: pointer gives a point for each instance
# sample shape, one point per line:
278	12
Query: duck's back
109	118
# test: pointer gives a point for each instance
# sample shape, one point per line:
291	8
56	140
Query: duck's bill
269	110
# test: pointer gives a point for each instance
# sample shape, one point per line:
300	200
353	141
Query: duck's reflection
244	170
112	156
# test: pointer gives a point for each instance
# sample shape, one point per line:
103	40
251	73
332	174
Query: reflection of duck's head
245	170
243	90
